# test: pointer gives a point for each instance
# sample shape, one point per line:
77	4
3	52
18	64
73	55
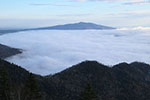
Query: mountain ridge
6	51
72	26
121	82
76	26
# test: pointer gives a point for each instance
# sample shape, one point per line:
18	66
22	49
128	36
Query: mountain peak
84	23
77	26
70	83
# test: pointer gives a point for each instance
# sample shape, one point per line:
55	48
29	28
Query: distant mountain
76	26
6	51
120	82
9	31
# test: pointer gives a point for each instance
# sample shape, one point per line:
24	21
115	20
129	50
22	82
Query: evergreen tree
31	89
88	94
4	84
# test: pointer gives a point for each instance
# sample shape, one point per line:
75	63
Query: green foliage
4	84
88	94
31	89
121	82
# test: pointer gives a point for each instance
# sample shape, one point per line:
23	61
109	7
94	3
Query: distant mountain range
75	26
4	31
120	82
6	51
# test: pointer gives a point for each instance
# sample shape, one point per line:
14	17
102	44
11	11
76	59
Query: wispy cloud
79	15
50	4
137	13
113	0
138	2
128	2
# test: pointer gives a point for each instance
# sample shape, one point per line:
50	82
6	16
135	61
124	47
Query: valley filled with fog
50	51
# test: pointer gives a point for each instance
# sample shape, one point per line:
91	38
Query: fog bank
51	51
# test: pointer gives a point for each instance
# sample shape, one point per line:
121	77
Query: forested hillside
6	51
88	80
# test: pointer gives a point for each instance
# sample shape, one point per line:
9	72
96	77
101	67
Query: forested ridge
88	80
6	51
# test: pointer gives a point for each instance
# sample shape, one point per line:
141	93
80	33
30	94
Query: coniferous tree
4	84
88	94
31	89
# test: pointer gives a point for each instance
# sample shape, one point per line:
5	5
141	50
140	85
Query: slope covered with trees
88	80
6	51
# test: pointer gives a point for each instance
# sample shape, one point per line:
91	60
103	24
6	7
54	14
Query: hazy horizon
25	27
37	13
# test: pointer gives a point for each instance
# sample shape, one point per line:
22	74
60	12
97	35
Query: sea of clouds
50	51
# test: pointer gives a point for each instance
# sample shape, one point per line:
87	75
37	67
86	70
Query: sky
38	13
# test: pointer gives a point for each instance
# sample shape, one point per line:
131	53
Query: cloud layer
48	51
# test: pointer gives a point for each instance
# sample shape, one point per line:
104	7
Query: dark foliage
6	51
4	84
88	93
120	82
31	89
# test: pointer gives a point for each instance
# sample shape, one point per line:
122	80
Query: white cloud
116	0
48	51
136	28
128	2
138	2
50	4
135	13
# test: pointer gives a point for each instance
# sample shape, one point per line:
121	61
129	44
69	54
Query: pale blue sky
37	13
